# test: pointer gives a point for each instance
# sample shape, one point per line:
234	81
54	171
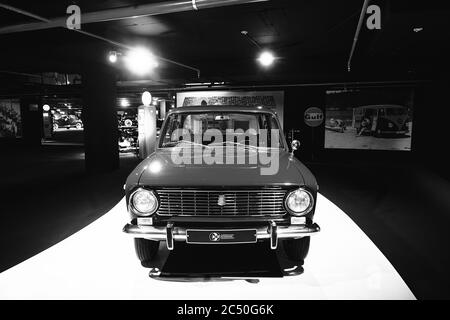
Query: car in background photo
381	120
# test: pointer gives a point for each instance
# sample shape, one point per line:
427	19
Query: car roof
222	108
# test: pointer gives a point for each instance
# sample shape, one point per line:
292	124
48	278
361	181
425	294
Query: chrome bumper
170	233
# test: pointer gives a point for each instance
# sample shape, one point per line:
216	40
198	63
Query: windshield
251	129
395	111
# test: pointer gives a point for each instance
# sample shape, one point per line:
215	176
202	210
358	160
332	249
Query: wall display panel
273	100
10	119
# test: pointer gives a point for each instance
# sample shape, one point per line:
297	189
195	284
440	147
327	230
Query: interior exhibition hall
224	150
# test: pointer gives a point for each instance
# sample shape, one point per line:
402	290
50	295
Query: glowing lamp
146	98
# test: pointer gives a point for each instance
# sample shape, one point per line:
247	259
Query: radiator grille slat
199	202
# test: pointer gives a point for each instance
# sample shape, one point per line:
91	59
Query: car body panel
290	173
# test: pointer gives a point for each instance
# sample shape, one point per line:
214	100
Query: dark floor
405	210
45	196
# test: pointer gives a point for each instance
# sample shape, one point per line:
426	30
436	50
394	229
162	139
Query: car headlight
144	202
299	202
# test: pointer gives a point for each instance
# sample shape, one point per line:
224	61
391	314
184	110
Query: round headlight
144	202
299	202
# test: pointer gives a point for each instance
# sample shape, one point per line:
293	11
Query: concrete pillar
31	114
100	118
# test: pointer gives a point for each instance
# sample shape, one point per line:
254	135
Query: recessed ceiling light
266	58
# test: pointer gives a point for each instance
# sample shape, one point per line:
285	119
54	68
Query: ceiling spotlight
266	58
112	57
140	61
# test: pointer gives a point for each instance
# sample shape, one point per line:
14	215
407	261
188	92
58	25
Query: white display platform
99	262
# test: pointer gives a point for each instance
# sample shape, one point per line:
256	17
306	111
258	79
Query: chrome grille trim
238	202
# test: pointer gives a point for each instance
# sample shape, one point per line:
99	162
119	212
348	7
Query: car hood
160	171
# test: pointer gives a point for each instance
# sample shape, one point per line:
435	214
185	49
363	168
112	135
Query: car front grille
198	202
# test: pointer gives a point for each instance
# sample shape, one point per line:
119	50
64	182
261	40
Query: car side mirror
295	145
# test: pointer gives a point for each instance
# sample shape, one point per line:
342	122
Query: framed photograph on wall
369	119
10	119
273	100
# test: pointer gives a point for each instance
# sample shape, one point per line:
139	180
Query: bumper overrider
171	233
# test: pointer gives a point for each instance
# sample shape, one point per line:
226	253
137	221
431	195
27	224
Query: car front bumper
171	233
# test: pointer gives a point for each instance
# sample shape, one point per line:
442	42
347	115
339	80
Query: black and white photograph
10	121
224	158
369	119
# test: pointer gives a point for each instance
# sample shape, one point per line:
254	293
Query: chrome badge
214	236
221	200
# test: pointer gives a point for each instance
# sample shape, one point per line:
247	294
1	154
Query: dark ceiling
311	38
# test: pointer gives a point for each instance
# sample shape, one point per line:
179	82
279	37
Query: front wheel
297	249
146	250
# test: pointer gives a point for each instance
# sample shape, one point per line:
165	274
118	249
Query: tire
297	249
78	126
145	250
55	127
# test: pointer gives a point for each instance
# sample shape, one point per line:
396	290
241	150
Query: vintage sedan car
221	203
70	121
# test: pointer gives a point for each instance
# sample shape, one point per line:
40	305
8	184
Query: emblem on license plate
214	236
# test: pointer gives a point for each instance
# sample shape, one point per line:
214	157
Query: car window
395	111
237	124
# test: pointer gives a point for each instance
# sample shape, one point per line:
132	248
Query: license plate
221	236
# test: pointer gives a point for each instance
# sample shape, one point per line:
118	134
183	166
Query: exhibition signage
313	117
146	130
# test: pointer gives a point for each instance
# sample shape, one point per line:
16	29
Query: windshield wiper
176	143
241	144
